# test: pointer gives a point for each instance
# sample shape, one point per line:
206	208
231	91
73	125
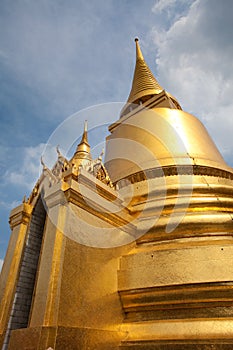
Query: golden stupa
151	268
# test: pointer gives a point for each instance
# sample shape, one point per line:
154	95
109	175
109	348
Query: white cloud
162	5
54	50
9	206
170	11
195	64
29	170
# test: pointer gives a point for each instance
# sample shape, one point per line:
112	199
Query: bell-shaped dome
159	137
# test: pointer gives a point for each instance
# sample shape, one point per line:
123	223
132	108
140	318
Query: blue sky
58	57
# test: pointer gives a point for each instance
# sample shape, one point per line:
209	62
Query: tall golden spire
144	83
82	152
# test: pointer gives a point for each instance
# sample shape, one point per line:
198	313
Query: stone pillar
19	220
42	327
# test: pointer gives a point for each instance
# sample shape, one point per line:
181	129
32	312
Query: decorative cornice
90	206
94	183
174	170
178	302
20	215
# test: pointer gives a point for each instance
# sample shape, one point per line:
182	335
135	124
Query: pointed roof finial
84	136
58	151
43	163
144	83
85	125
139	55
83	149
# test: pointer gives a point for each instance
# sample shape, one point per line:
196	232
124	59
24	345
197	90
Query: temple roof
144	82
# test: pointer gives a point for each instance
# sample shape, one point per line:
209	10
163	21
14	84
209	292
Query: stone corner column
19	221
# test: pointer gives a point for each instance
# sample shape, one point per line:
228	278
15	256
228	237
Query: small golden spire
84	137
83	149
83	146
144	83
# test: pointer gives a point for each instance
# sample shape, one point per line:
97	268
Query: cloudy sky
58	57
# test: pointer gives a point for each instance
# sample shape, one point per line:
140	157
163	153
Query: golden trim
178	302
174	170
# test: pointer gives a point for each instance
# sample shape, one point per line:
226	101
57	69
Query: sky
60	57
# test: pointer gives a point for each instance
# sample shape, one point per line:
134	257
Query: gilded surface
144	83
166	184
